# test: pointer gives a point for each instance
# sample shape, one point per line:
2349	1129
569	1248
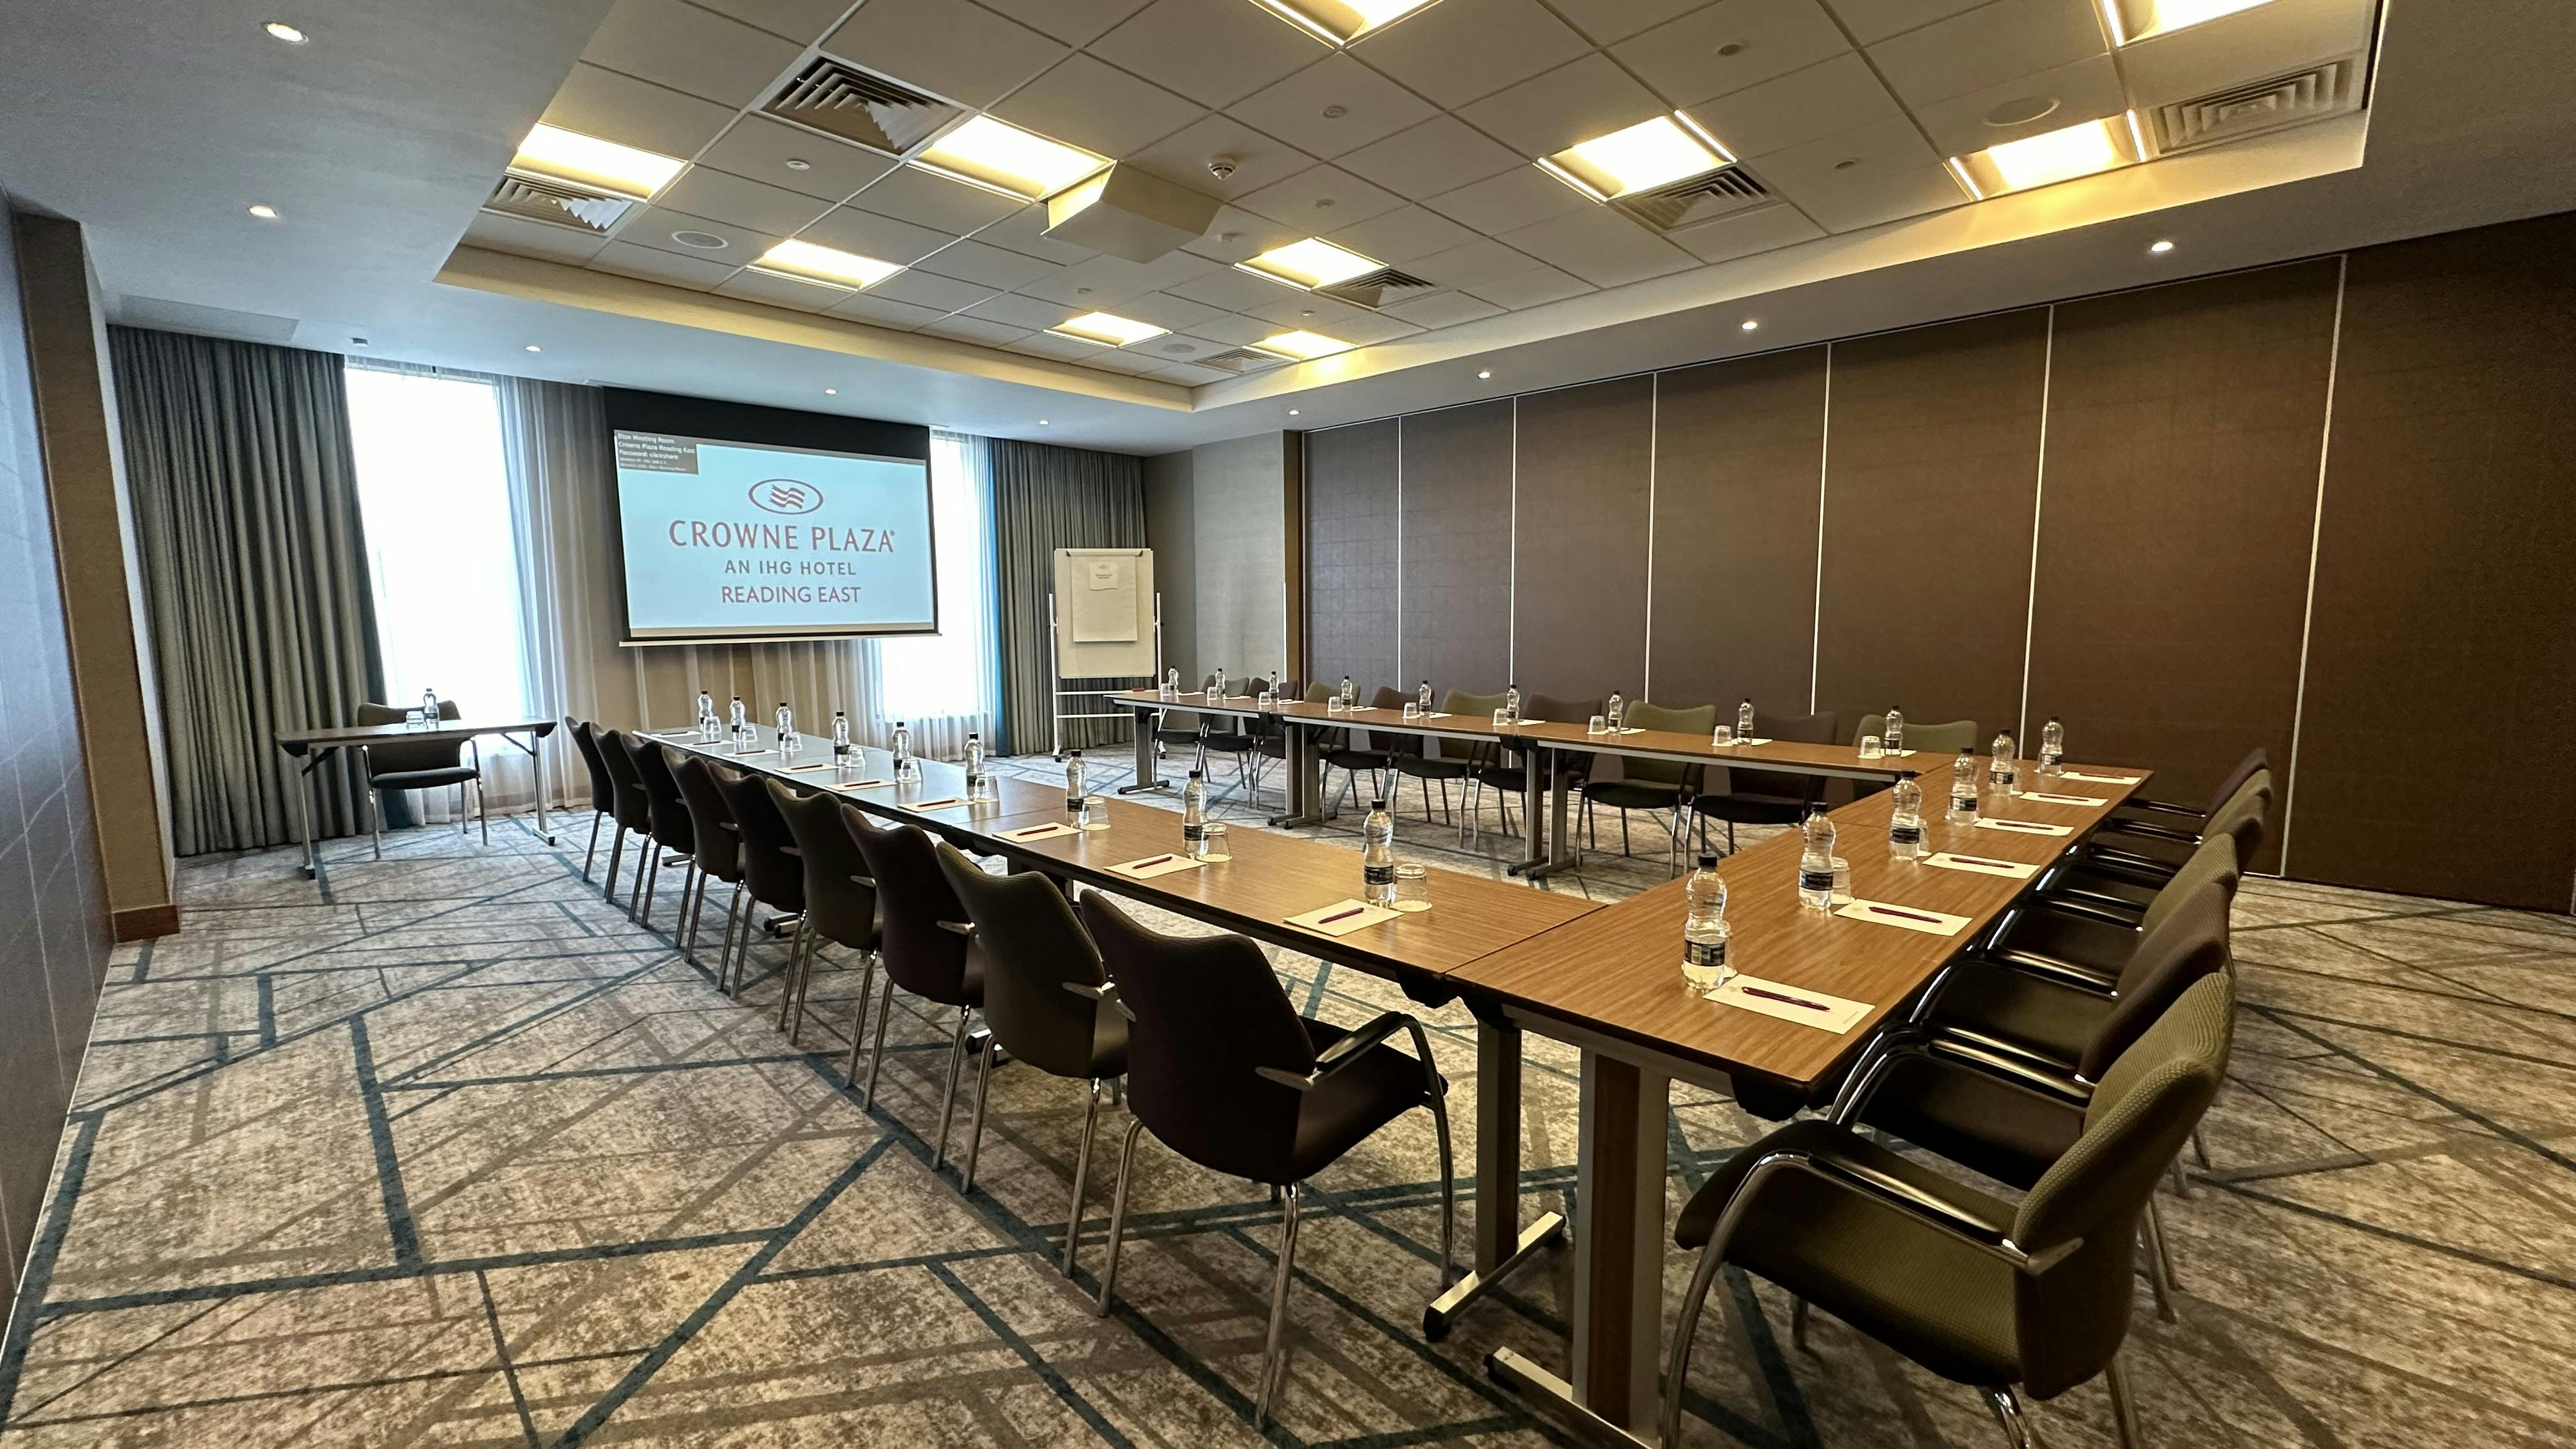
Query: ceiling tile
1459	50
931	290
987	266
1765	228
1097	107
1572	103
910	194
1025	232
618	107
1119	359
1018	311
1321	198
1231	329
533	238
1311	312
1044	344
1870	21
1332	106
1443	309
1075	22
760	148
1731	45
1522	196
797	20
1870	152
1180	348
1852	208
872	235
1258	159
1188	376
1104	282
1403	235
2086	90
1602	247
1238	235
1482	260
1370	328
629	260
652	226
1830	96
1531	288
1609	20
1216	52
964	52
688	49
1167	309
1441	154
705	191
976	330
881	311
1988	46
1234	291
778	291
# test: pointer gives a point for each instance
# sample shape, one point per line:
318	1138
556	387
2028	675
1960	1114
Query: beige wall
1221	518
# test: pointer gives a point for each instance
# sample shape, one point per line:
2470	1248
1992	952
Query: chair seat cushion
1745	807
1349	759
2050	1018
2098	945
1346	1107
422	779
1980	1122
2154	847
1631	794
1232	744
1427	768
2107	885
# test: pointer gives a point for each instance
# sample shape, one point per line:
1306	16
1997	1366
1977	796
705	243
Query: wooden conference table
314	746
1603	979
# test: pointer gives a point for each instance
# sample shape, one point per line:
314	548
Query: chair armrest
2126	826
2163	807
1340	1054
2012	1068
863	880
2068	973
1105	993
2112	861
791	850
2086	911
962	928
1844	1159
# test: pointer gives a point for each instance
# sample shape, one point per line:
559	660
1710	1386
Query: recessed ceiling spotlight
1042	422
830	266
705	241
1750	324
831	392
357	342
280	30
1484	377
799	163
263	211
532	347
2022	112
2160	245
1339	22
1292	412
555	154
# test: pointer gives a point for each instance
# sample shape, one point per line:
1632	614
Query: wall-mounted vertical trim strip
1654	437
2316	541
1512	605
2038	501
1398	681
1824	461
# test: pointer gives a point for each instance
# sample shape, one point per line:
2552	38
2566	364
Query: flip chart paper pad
1102	606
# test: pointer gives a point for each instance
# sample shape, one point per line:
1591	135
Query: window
434	496
947	676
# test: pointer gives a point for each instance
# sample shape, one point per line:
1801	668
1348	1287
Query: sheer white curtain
942	684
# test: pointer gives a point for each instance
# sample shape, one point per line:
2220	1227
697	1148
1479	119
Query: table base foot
1547	1232
1551	1395
1147	786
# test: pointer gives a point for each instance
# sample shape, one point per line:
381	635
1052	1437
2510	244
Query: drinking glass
1502	719
1212	842
1597	725
1412	886
1871	747
1725	736
1842	881
1412	710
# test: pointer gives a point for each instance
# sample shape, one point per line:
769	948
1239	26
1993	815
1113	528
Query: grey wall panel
1457	547
1579	604
1240	559
1350	554
1171	531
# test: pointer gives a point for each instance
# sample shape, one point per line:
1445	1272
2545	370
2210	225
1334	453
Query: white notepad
1731	744
1154	865
1341	918
2023	827
2100	779
1981	865
2046	799
1829	1013
1911	918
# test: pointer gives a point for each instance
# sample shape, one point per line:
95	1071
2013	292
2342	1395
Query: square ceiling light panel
1638	158
1106	329
1300	346
2087	148
2137	19
831	266
1339	22
1000	157
1309	264
555	154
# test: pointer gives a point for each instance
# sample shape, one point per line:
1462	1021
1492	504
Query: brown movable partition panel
1457	547
1739	452
1579	596
2184	425
1350	554
1931	473
2445	601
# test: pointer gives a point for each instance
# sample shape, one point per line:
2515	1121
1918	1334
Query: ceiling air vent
1241	359
842	100
1377	289
2266	105
558	203
1695	199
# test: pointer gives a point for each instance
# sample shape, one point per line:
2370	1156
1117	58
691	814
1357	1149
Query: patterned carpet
450	1151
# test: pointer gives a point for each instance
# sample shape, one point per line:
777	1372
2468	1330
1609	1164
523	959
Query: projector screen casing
632	411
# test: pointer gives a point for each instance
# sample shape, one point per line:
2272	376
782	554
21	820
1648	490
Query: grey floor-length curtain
255	572
1046	498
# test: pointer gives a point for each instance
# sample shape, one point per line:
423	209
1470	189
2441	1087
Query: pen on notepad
2019	825
1782	996
1876	909
1141	864
1981	860
1339	915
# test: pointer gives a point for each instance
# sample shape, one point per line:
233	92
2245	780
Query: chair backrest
923	958
1208	1012
634	807
1801	729
719	841
603	789
671	825
770	869
2213	863
2070	1318
839	901
2244	815
1385	696
1032	947
1948	738
1698	720
398	757
1473	709
2191	942
2256	760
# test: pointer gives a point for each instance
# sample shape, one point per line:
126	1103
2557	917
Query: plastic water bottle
706	718
1194	815
1744	723
1350	693
1905	824
1171	684
1963	787
1816	862
1705	933
840	738
740	725
1892	733
1512	704
905	766
1422	696
974	767
2003	771
1613	710
2052	747
1077	800
1216	687
787	740
1377	855
429	709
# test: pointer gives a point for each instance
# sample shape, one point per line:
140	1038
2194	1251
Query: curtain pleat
255	576
1046	498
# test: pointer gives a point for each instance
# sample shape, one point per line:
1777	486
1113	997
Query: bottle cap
1379	803
1077	754
1708	860
1194	774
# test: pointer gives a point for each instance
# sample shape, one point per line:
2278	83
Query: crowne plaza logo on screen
786	495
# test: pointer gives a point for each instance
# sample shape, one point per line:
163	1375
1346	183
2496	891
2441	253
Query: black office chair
1362	750
2003	1297
1768	797
603	789
1663	786
840	896
719	854
1235	735
669	815
2140	807
634	815
1043	1003
2145	848
1426	758
772	873
921	952
421	765
2080	937
1228	1075
1270	733
1946	738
